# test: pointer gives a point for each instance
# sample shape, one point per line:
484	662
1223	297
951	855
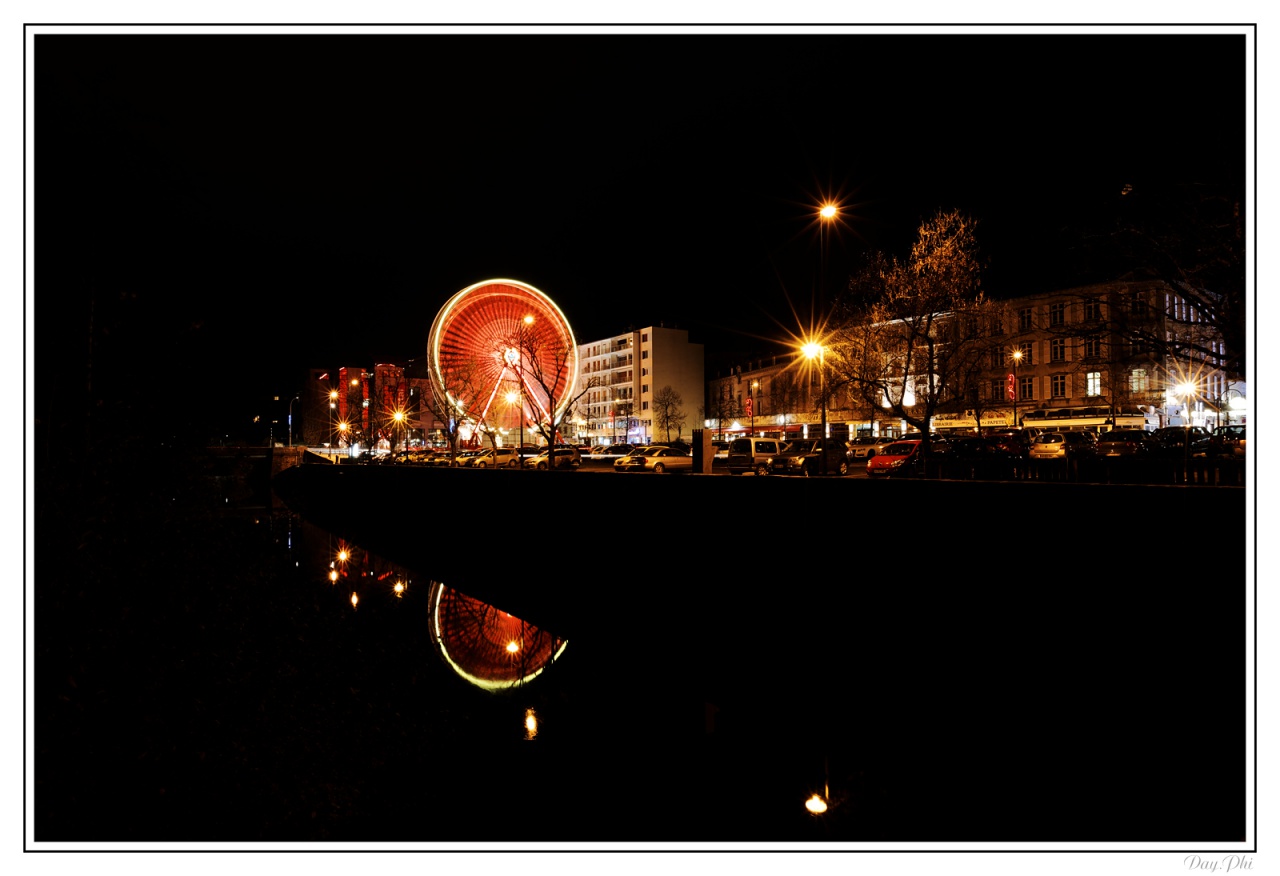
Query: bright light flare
333	575
812	350
816	804
512	647
1185	389
355	600
399	588
828	211
530	724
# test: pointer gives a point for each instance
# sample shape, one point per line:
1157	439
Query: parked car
804	457
566	457
1063	445
1177	441
657	460
899	459
1015	442
754	454
411	457
1124	444
496	457
636	450
721	449
979	456
1223	441
867	446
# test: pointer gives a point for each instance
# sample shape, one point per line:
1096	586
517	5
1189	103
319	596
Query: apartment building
621	377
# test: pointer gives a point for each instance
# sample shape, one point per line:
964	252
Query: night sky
245	207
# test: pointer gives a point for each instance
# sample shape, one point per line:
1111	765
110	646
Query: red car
897	459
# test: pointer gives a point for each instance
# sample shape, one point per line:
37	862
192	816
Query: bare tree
453	391
916	327
1191	238
546	369
720	408
668	411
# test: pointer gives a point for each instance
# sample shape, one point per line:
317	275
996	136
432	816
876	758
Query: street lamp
826	214
398	416
1017	358
814	350
1187	390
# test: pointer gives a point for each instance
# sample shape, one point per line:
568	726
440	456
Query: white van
754	454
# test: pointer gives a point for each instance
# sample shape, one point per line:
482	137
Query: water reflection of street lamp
814	350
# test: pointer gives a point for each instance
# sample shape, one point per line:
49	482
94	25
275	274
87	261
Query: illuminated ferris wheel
502	356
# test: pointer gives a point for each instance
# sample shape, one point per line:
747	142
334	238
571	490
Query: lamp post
1016	357
333	405
290	419
1188	392
342	433
814	350
398	416
826	214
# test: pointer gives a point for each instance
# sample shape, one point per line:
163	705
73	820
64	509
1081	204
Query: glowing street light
816	804
814	350
826	215
399	417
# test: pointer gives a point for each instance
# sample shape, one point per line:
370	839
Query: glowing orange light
512	647
333	575
530	724
354	600
816	805
827	211
399	589
342	556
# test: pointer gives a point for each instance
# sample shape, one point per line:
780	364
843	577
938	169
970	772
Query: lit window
1093	383
1138	380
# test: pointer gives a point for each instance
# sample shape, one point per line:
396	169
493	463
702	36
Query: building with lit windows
1123	354
620	378
1112	355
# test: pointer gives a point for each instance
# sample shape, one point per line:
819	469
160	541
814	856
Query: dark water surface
199	677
